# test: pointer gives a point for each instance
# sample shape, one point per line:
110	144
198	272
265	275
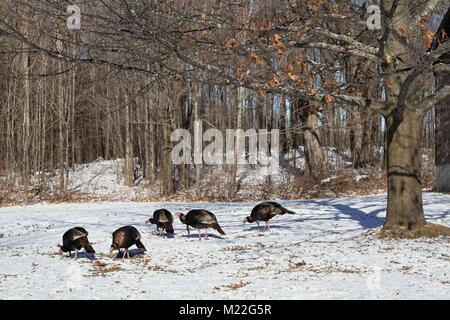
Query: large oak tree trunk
404	127
404	208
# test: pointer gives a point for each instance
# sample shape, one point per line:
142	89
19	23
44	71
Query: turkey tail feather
288	211
218	228
87	246
140	245
168	226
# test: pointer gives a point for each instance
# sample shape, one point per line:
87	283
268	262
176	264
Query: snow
328	250
104	178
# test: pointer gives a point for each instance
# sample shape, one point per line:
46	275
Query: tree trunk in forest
26	120
166	161
315	159
61	120
361	134
404	127
368	140
404	208
232	188
149	142
356	137
129	152
197	133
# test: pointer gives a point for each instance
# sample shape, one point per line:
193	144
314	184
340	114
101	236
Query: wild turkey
200	219
75	239
124	238
266	211
163	220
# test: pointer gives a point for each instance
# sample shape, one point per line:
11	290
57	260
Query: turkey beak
245	221
60	252
147	221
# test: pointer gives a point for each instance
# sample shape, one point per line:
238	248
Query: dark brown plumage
200	219
125	237
266	211
75	239
163	220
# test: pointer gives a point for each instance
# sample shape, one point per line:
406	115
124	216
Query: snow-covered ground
327	250
104	178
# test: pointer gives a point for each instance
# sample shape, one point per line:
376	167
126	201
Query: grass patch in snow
238	248
233	286
101	268
429	230
159	268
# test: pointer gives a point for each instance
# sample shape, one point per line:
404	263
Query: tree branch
347	49
424	9
356	44
441	67
430	101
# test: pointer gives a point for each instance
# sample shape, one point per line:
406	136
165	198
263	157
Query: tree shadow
366	220
262	226
82	255
133	253
210	235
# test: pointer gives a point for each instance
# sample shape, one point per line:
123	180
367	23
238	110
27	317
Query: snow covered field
328	250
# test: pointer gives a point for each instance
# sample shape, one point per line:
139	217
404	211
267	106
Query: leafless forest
137	70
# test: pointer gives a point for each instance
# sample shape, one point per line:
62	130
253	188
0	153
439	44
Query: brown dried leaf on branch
315	5
335	9
274	81
277	40
241	73
262	92
231	43
278	43
428	38
254	57
289	73
328	99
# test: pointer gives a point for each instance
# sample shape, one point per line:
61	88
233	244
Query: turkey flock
123	238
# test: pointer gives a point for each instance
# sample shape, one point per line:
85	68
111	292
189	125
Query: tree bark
315	159
61	138
166	165
149	163
404	207
129	153
26	120
404	127
232	187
